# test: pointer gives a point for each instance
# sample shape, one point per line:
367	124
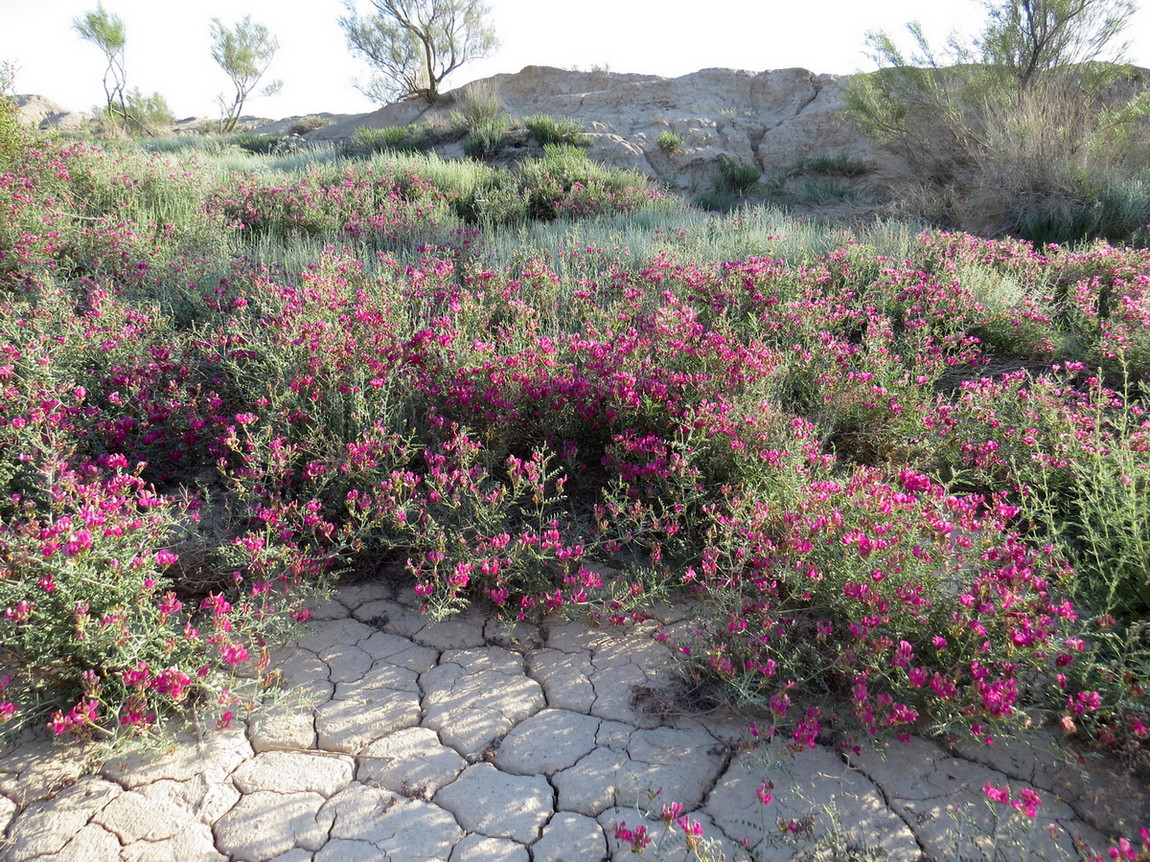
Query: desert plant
106	32
1015	115
149	115
1054	168
546	129
244	53
839	163
737	175
11	134
822	190
8	70
669	142
487	138
1115	210
414	44
261	144
476	106
397	139
303	125
718	200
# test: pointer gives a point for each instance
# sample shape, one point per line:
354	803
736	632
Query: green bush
839	164
1119	211
496	200
11	133
394	139
567	183
669	142
487	139
149	114
258	144
718	200
478	108
824	190
306	124
736	175
548	130
564	165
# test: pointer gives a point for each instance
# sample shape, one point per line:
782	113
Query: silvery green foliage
412	45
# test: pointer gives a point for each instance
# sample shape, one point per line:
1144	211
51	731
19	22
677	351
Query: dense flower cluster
877	480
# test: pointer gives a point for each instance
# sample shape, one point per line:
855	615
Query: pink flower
998	794
1029	800
234	654
763	794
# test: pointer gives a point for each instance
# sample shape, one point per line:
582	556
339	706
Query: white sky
169	44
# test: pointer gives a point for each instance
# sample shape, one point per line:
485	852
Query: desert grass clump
303	125
546	129
477	105
487	138
823	190
253	143
565	182
669	142
395	139
737	176
1031	129
839	163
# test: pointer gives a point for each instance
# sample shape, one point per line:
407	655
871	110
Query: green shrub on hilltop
306	124
11	133
477	106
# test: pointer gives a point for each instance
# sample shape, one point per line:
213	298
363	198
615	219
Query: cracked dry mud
463	741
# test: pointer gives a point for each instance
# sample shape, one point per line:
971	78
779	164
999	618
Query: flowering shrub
95	638
567	183
912	601
900	493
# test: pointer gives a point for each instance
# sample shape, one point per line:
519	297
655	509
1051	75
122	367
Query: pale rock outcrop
772	119
42	113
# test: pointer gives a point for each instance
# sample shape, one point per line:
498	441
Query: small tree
8	71
1029	38
414	44
245	53
106	32
1018	118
